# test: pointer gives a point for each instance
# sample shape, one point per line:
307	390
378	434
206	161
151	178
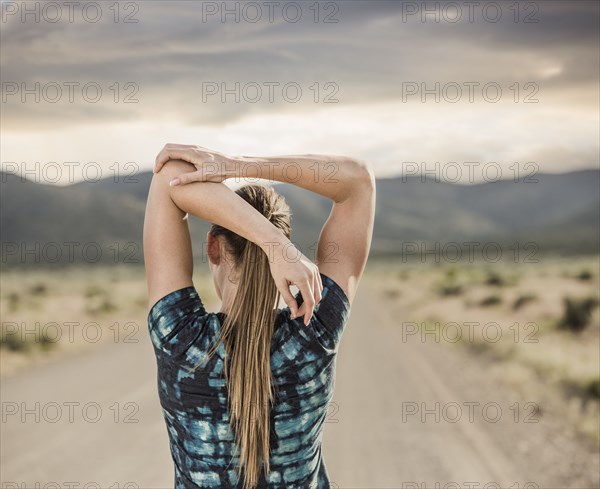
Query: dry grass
510	313
551	365
46	314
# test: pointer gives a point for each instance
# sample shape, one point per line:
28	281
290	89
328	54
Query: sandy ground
400	419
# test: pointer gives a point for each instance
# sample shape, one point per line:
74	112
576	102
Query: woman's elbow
365	176
172	169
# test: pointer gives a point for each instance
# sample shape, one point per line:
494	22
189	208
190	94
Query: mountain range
44	224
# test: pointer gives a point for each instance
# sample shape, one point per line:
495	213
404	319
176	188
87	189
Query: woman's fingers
305	276
194	176
174	152
213	164
288	298
318	288
306	310
161	158
166	155
311	289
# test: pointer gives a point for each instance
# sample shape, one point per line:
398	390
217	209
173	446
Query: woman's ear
213	249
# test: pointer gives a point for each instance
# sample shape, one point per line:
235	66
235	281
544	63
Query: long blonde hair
246	333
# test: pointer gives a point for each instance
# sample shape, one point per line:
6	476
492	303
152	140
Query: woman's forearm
217	203
334	177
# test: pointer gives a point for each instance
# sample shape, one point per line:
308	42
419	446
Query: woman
245	390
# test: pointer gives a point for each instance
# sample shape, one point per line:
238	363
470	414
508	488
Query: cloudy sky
405	85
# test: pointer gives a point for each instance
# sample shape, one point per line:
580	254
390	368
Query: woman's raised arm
345	239
333	177
167	248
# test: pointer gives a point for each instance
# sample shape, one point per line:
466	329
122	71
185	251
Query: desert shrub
392	293
94	291
13	340
403	275
448	288
577	313
38	289
449	285
46	342
592	388
522	300
98	300
495	279
14	301
584	275
450	273
100	305
491	300
14	343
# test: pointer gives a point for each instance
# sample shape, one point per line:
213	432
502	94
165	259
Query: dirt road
406	414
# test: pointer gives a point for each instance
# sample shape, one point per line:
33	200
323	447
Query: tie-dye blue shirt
194	403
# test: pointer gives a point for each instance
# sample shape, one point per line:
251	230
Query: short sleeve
330	314
173	320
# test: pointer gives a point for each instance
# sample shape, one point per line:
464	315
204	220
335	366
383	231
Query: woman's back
195	403
251	418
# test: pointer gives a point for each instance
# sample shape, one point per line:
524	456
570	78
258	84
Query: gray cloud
368	54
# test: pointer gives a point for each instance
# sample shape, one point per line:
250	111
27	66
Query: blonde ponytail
246	333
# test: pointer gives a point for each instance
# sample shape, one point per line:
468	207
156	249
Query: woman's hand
290	267
211	166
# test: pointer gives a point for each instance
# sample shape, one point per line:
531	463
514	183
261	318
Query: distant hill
560	212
